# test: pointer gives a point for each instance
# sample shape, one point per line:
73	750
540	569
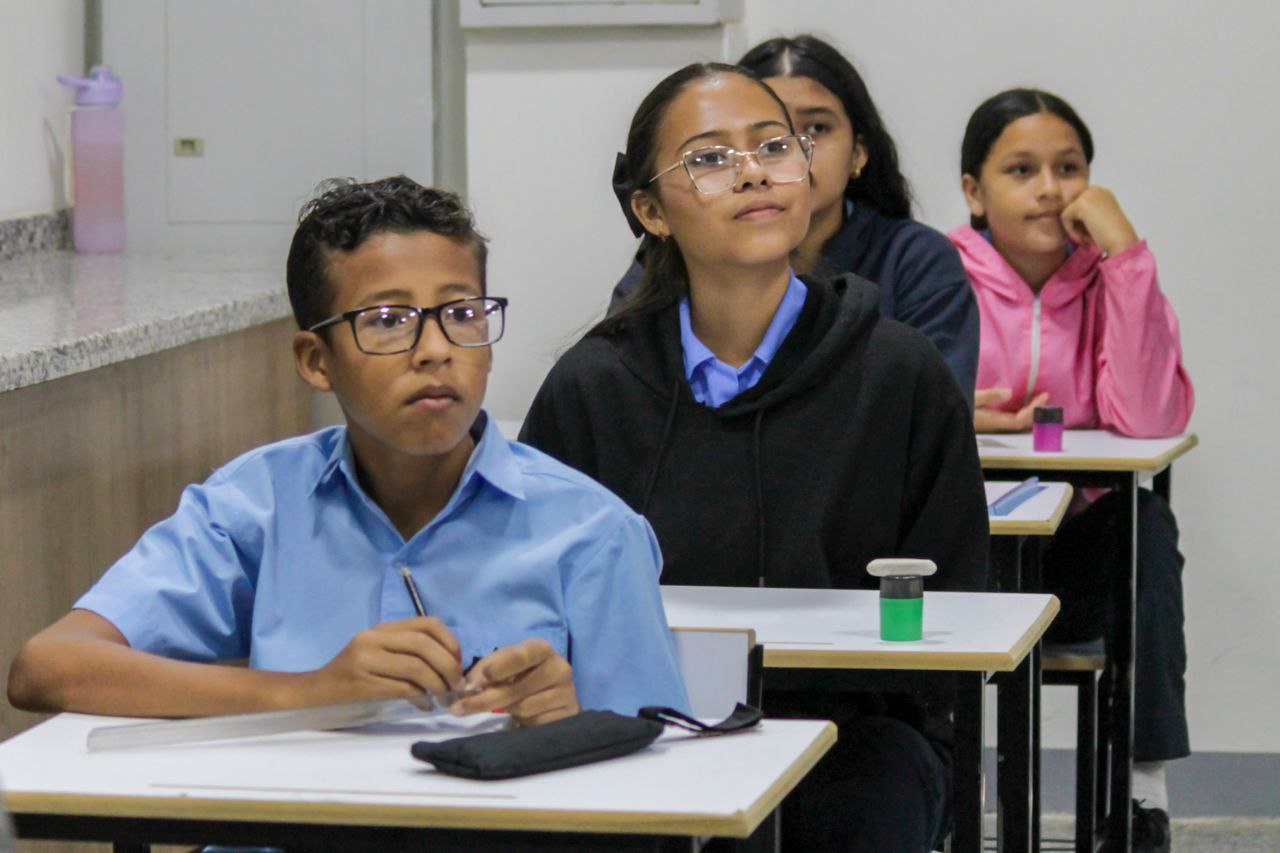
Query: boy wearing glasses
316	557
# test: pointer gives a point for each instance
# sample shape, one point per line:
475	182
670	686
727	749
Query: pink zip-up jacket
1100	338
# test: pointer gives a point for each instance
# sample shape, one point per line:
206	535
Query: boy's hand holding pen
459	686
404	659
409	659
528	680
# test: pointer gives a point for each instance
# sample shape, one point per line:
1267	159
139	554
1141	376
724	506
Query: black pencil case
584	738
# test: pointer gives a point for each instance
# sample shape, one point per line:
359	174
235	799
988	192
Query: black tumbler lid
1047	415
902	586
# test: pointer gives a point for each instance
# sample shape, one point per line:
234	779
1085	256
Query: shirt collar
695	351
783	319
491	460
697	354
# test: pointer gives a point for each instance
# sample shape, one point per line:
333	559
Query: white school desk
1084	450
1039	515
834	635
1097	458
362	790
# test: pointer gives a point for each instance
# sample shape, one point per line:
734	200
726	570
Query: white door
235	109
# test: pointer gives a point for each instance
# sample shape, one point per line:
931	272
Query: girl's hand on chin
1095	218
987	418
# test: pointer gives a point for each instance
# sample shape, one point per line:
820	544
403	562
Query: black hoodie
856	443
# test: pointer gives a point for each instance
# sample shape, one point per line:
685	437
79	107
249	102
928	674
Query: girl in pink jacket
1072	316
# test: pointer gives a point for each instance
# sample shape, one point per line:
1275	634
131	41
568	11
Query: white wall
38	41
1180	98
547	109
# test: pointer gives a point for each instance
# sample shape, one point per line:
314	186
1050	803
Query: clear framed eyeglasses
476	321
715	169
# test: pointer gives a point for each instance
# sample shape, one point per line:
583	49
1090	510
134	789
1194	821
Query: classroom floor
1190	835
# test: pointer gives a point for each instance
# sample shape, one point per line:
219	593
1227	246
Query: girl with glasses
1073	316
861	219
774	430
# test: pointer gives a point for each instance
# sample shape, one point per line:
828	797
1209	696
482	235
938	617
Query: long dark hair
998	112
666	278
881	184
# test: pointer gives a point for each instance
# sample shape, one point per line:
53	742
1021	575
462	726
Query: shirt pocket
478	642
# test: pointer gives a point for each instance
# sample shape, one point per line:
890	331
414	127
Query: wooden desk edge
1049	462
1048	527
739	824
776	792
1036	631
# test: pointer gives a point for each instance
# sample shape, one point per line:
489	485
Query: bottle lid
896	566
100	88
1047	415
902	586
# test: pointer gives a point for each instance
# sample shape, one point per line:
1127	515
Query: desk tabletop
680	786
840	628
1039	515
1084	450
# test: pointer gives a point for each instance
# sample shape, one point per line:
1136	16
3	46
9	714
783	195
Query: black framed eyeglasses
476	321
715	169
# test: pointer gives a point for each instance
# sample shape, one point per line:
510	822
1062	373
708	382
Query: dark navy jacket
922	282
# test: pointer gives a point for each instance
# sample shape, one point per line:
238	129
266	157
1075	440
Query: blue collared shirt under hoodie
282	557
715	383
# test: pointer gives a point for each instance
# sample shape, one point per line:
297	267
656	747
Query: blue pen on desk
1016	496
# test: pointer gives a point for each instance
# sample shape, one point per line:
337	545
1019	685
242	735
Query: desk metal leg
1014	788
1086	762
1031	578
1017	563
1006	560
1035	746
1120	670
967	788
1162	485
967	783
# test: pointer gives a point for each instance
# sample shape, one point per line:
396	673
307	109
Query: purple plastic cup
1046	429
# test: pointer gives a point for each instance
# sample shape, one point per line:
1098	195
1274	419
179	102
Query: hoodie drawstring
759	484
667	430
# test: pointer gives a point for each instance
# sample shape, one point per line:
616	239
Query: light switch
188	146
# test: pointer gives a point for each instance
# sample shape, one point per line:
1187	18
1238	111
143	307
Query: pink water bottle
97	162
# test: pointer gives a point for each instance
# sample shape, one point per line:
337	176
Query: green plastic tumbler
902	608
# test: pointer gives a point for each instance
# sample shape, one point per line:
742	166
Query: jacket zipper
1035	349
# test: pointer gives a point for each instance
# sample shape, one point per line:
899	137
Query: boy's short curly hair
344	213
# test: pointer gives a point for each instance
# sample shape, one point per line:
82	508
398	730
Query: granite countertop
63	313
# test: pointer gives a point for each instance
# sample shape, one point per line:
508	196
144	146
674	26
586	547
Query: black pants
882	787
1076	568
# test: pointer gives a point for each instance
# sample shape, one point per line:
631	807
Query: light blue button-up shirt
281	557
715	383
